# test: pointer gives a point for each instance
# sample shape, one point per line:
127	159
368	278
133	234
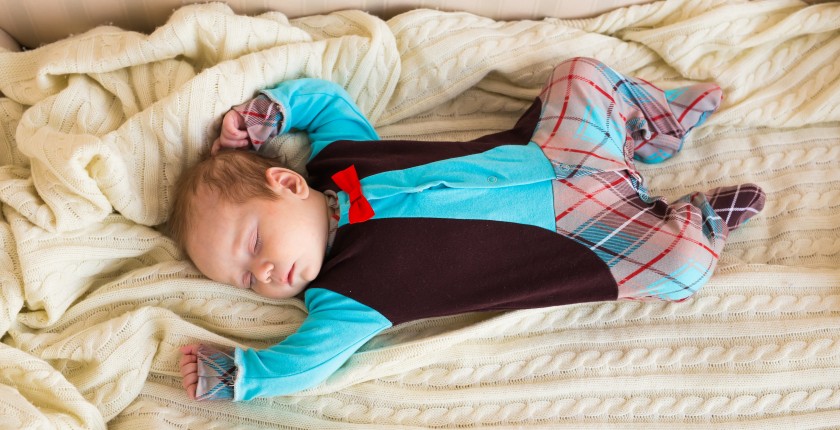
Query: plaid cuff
216	374
263	118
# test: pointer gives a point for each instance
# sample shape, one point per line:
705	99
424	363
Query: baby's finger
234	134
241	143
217	145
189	370
189	379
234	143
187	359
189	349
190	388
233	122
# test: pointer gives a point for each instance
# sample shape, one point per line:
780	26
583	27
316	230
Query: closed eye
257	243
249	279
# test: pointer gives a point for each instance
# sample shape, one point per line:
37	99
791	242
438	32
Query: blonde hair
235	177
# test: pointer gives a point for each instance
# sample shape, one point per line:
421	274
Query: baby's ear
280	179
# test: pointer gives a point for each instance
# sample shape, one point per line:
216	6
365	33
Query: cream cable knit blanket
95	301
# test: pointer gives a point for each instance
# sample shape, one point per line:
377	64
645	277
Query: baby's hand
233	134
189	369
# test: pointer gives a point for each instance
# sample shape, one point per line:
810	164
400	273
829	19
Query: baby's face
273	247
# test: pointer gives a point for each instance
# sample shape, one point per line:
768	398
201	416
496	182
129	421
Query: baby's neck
331	203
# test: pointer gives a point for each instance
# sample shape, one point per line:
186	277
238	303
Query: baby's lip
290	274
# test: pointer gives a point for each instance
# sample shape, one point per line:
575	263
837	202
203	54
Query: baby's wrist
263	119
216	373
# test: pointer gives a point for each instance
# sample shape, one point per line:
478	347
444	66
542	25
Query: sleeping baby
548	213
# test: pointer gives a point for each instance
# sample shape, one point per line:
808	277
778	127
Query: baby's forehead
207	196
209	215
207	206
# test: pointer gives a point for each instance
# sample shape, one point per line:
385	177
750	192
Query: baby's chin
299	285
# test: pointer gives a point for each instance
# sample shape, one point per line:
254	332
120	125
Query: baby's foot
691	105
736	204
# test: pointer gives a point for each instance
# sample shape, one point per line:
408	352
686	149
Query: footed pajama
548	213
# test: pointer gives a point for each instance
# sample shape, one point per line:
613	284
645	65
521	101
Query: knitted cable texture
95	300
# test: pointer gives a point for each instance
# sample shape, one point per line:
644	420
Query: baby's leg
690	106
655	250
596	119
593	122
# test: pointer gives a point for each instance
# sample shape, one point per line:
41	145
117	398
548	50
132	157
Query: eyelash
257	244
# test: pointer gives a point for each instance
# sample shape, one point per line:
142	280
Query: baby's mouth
290	275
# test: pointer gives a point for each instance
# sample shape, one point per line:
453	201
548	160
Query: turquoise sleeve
322	109
336	327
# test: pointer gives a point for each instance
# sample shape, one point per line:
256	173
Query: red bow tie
348	181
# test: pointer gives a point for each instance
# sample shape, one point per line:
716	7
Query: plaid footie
594	124
263	118
216	374
736	204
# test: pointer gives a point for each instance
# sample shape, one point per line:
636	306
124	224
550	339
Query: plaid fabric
216	374
737	204
594	122
263	118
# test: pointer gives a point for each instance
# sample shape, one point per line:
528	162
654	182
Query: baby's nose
265	272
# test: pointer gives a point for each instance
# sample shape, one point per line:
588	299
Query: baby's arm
335	328
321	108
